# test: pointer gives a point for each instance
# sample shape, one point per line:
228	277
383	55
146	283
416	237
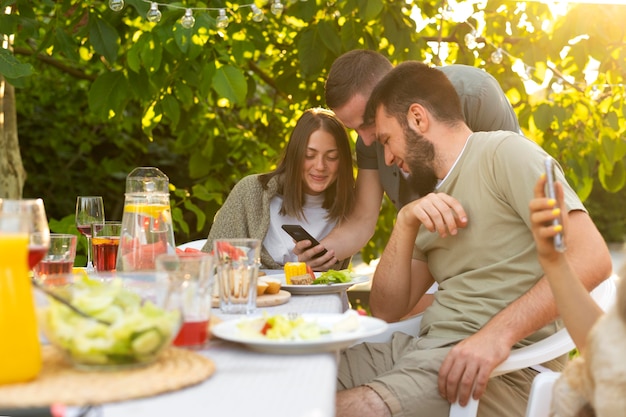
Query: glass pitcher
147	221
20	351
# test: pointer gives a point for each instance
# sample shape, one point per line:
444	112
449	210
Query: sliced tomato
309	271
265	328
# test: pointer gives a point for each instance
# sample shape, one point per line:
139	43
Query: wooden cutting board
265	300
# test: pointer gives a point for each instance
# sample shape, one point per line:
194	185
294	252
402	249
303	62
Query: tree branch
54	63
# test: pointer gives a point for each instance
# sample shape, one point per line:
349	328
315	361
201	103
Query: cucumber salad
139	329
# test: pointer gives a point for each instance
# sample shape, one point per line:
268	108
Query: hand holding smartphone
298	233
559	242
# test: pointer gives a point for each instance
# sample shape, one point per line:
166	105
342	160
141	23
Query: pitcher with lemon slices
147	221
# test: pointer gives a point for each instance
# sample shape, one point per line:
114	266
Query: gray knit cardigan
246	213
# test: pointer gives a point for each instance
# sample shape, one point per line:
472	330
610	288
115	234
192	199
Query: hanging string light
497	57
222	20
470	39
188	20
277	8
116	5
154	14
257	14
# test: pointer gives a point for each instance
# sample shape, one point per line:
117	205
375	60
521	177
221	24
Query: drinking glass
237	266
89	211
105	242
60	256
39	233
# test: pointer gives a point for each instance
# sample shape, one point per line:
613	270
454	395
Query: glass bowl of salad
107	322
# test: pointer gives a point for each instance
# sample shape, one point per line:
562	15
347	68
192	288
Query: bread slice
261	288
304	279
273	285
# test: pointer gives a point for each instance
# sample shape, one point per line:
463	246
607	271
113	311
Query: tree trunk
12	174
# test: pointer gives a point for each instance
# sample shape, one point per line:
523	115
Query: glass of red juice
190	281
59	259
105	241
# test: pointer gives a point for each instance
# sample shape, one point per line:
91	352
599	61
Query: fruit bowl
130	321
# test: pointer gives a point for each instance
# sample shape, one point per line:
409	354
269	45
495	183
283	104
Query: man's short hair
357	71
415	82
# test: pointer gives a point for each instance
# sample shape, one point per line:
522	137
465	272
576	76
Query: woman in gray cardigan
313	185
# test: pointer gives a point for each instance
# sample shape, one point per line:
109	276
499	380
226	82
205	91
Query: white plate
332	342
317	289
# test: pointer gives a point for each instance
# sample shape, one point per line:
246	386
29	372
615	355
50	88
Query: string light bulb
277	8
470	40
497	56
116	5
154	14
557	86
257	14
222	20
187	21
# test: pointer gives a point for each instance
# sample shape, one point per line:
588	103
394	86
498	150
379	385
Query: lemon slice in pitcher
152	210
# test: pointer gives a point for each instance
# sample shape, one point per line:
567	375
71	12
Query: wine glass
39	232
89	211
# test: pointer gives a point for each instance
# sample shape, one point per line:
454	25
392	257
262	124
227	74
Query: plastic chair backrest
541	394
194	244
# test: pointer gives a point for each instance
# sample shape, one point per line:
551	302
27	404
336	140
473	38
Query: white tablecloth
247	383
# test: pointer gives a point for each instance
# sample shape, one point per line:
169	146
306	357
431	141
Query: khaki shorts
404	374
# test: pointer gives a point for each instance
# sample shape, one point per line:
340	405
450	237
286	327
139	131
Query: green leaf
171	109
368	10
67	45
10	67
330	37
151	54
543	117
613	179
103	37
311	52
179	219
229	82
108	93
200	192
200	216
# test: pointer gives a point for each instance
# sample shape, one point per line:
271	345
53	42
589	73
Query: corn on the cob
293	269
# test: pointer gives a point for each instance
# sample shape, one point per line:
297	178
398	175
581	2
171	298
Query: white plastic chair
541	394
194	244
547	349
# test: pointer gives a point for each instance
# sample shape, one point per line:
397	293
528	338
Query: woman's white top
278	243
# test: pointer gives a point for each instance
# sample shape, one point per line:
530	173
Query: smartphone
298	233
559	242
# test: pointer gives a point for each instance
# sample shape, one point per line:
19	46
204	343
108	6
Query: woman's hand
543	211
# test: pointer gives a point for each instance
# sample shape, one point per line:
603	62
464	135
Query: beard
420	160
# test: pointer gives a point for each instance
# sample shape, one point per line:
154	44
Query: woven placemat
59	382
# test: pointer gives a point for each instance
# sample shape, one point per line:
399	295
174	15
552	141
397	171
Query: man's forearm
390	294
353	233
350	236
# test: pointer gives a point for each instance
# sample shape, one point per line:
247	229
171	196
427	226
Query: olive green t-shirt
493	261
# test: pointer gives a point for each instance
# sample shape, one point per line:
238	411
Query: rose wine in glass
89	211
39	233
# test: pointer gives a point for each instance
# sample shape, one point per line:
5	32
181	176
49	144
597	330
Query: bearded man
470	233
